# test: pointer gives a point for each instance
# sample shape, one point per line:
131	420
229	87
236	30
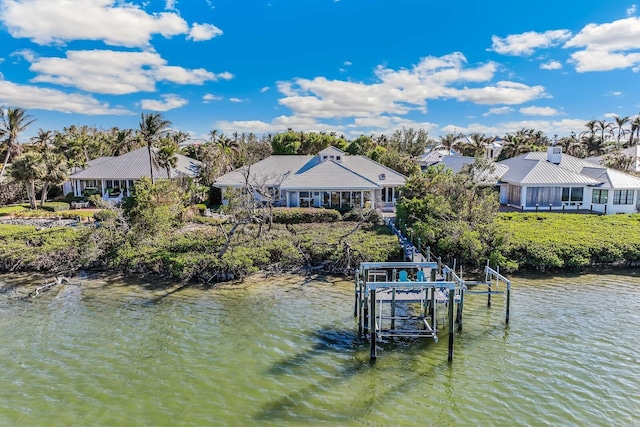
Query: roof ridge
379	164
296	176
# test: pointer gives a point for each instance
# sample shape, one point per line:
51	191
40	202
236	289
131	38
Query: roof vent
554	154
382	177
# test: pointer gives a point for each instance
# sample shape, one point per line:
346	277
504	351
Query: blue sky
350	66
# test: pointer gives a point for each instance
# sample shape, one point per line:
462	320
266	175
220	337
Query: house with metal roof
331	179
558	181
113	177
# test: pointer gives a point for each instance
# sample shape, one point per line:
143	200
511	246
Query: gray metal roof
135	165
456	163
329	175
270	171
526	170
279	169
532	169
612	178
373	170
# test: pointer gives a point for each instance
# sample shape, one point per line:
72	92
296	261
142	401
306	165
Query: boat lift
403	299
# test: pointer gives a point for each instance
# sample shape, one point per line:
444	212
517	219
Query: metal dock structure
416	298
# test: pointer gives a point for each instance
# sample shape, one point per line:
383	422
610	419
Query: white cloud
611	115
113	21
208	97
498	110
551	65
264	89
168	102
607	46
346	63
112	72
237	100
279	124
33	97
539	111
631	10
550	127
502	93
400	91
170	5
202	32
526	43
613	93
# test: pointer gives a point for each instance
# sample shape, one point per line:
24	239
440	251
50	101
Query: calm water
285	352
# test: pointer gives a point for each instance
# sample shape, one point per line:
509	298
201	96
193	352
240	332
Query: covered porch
110	189
330	199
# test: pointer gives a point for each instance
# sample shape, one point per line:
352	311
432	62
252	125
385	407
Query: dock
418	297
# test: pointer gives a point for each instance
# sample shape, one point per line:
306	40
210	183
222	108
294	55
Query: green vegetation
55	249
547	241
10	210
196	254
304	215
454	214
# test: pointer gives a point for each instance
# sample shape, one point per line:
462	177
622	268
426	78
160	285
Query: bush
105	215
56	206
548	241
304	215
8	210
201	207
358	214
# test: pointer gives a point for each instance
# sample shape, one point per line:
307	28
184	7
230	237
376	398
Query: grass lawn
8	210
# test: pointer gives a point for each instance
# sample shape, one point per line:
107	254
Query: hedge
56	206
304	215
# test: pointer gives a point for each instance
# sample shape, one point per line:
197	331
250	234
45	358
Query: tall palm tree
635	128
166	155
477	145
604	127
14	121
42	140
619	124
152	127
121	141
450	140
29	168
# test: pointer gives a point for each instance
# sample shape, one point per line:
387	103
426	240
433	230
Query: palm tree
620	122
121	141
603	127
14	121
56	172
152	127
28	169
166	155
450	140
635	128
477	145
42	140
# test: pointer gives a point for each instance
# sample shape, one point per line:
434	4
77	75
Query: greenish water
285	352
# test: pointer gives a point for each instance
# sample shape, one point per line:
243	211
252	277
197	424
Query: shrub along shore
205	250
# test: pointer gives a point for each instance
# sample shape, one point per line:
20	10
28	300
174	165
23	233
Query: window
572	194
622	197
338	158
599	197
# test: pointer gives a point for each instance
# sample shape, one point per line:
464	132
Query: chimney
554	154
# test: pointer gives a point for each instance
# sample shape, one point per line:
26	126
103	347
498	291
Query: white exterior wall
504	194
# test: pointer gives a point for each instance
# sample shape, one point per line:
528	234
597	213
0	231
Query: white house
331	178
113	177
556	181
